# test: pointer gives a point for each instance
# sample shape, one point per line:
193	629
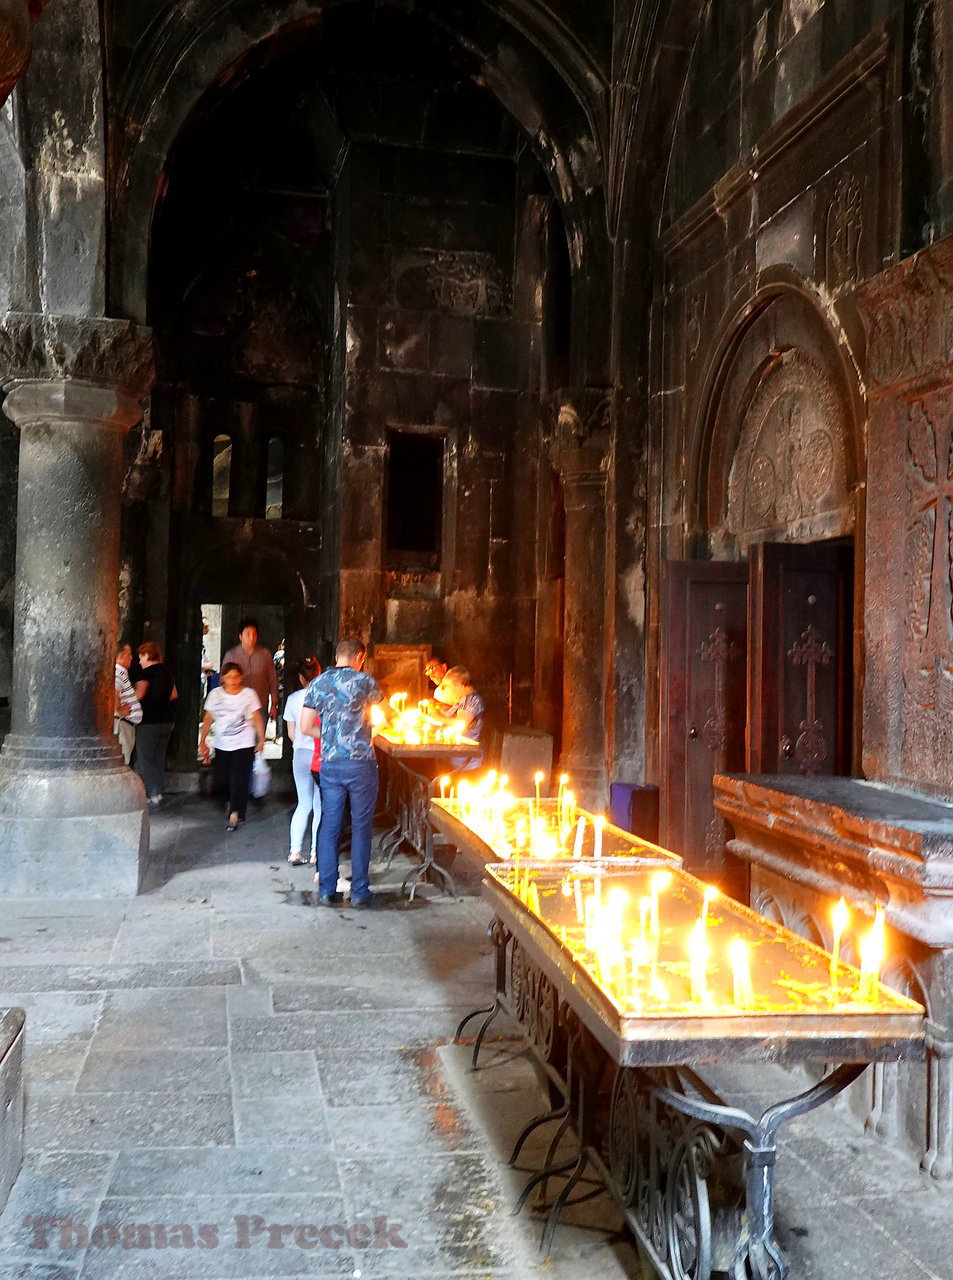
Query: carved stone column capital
582	419
113	354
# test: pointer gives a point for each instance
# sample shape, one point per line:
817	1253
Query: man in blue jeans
342	697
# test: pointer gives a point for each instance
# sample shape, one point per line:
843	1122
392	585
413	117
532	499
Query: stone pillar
68	805
582	470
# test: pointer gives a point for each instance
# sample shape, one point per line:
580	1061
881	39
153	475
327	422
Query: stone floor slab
192	1018
179	1172
185	1071
293	1073
110	1121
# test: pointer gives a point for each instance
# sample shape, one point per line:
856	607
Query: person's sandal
296	860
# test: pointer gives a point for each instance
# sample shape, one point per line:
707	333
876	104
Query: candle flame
841	915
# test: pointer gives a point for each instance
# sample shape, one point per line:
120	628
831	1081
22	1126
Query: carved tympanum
789	465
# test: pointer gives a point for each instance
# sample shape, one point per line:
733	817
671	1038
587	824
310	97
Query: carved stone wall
908	720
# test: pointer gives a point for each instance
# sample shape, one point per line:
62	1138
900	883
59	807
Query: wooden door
800	679
703	681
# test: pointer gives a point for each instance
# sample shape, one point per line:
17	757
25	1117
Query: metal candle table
491	838
620	1003
408	774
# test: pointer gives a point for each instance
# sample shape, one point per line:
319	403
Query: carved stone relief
468	284
927	659
789	466
844	228
908	316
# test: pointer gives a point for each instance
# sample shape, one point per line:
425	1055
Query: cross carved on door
811	749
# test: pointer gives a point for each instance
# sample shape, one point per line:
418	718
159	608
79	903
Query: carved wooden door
801	660
703	676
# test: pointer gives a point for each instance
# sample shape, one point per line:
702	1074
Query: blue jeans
340	779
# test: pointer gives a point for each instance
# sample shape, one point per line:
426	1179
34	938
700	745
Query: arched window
276	478
221	474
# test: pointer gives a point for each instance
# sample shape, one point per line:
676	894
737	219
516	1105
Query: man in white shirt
128	712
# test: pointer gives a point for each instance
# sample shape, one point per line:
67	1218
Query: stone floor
266	1088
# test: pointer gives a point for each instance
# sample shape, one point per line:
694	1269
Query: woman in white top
309	793
239	733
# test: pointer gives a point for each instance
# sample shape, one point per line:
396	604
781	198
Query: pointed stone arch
779	433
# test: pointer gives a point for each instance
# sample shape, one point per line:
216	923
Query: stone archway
779	454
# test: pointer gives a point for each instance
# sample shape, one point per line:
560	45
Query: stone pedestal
72	816
582	471
809	841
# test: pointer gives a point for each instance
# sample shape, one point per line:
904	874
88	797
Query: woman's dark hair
309	668
149	649
232	666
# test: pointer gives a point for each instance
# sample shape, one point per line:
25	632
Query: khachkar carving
468	284
928	579
790	463
720	650
812	747
907	313
844	231
110	353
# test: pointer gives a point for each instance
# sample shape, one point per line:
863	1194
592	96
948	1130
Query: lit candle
444	784
645	906
743	991
710	894
580	832
532	899
561	799
872	948
661	880
698	962
537	779
841	917
577	896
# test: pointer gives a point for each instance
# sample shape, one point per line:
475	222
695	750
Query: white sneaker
344	886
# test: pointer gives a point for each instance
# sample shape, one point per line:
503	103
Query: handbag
260	778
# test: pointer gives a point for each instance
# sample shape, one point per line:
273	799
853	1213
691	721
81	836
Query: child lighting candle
841	917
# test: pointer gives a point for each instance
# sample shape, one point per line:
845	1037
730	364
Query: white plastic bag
260	778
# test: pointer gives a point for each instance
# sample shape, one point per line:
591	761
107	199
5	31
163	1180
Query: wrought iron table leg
549	1230
491	1011
560	1113
551	1156
475	1013
416	874
550	1171
388	845
758	1255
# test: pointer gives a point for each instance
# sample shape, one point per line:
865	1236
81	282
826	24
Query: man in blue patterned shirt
342	697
